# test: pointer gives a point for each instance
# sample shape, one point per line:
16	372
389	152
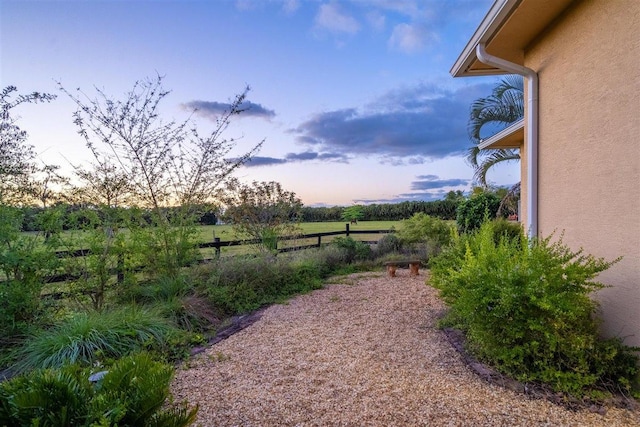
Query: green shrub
356	250
87	338
133	392
510	230
526	309
422	229
25	261
390	243
242	284
471	213
47	398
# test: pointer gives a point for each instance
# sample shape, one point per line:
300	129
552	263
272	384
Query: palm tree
504	106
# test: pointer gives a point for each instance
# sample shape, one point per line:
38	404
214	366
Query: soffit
507	29
511	137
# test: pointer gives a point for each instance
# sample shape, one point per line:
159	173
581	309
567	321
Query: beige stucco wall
588	64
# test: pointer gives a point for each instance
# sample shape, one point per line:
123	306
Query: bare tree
16	156
167	163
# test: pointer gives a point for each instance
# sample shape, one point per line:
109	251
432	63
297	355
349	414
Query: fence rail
217	244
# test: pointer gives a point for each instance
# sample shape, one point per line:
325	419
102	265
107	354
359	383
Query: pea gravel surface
365	351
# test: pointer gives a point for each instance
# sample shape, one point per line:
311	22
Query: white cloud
410	38
332	19
377	20
290	6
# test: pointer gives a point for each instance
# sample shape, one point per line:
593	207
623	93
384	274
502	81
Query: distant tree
352	214
503	107
263	210
454	196
16	156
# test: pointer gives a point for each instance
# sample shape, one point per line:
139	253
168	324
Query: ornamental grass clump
88	338
525	307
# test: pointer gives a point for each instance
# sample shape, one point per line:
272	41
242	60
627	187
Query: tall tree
503	107
16	156
167	163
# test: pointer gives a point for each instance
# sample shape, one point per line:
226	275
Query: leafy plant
390	243
471	213
422	228
356	250
25	261
526	309
133	392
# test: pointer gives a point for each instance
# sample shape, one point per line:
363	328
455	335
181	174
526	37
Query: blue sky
353	97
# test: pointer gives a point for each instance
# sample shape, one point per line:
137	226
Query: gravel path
363	352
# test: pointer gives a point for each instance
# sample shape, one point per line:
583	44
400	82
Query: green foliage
241	284
443	209
422	228
472	212
356	250
47	398
263	211
503	107
133	392
352	213
526	309
390	243
511	230
25	261
88	338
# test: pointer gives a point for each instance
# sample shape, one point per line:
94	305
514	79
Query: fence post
120	268
319	241
216	245
347	226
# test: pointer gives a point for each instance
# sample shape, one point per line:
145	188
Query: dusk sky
353	98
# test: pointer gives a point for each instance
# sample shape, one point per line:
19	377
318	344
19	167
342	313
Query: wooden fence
217	244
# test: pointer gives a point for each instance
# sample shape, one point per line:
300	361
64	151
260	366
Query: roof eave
495	18
510	137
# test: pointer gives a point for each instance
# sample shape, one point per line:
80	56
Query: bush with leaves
526	309
471	213
242	284
389	244
422	228
25	262
356	250
133	392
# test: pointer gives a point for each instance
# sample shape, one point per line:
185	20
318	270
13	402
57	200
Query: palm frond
492	158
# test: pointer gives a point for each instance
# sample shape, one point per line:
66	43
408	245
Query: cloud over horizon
258	161
412	125
213	109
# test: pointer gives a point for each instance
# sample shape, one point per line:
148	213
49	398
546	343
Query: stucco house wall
588	63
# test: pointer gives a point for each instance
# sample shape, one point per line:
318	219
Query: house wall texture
588	62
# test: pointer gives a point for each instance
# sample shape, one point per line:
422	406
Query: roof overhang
507	29
510	137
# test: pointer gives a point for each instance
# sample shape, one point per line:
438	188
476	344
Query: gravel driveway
365	351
